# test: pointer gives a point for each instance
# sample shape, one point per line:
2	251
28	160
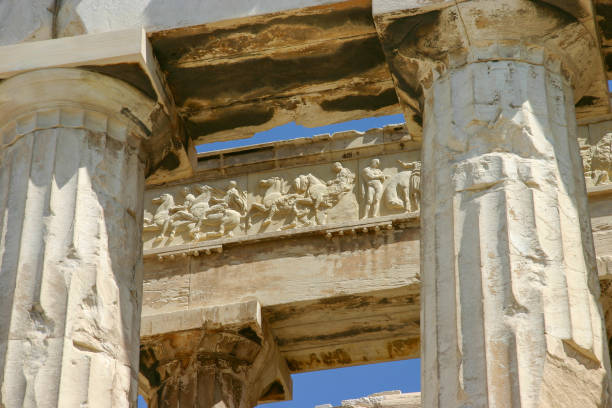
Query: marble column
510	310
71	186
510	292
220	356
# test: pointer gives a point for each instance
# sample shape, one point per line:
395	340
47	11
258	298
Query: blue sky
333	386
293	131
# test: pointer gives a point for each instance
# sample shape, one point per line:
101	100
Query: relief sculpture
372	188
323	195
597	160
277	200
210	213
306	200
403	192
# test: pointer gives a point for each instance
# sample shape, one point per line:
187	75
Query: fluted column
510	312
510	292
71	185
220	356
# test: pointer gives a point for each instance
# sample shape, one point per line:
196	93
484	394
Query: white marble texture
71	186
510	312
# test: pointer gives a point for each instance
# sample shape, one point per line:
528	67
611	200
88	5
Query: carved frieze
196	213
597	160
317	195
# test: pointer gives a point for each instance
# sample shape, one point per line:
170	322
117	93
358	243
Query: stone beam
209	357
385	399
314	66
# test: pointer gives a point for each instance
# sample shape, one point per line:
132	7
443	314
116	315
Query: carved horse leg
164	228
271	211
407	199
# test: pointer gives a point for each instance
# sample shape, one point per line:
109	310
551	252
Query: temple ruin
477	235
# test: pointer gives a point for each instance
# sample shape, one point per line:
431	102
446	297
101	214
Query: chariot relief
291	199
205	213
305	201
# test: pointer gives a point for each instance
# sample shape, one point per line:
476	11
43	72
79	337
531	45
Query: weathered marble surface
324	193
510	300
30	20
71	185
595	142
223	356
508	253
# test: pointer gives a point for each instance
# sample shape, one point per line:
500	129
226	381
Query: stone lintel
227	317
125	55
212	344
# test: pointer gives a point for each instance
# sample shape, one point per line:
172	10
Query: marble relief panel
596	151
284	199
389	184
195	212
301	197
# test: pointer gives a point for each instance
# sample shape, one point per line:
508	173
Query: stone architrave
71	204
510	297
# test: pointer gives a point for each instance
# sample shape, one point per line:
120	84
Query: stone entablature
337	181
319	183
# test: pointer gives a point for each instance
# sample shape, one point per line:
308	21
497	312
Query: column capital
73	98
113	73
424	39
220	353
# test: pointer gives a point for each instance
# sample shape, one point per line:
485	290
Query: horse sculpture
276	201
194	214
161	220
317	194
221	215
408	185
191	217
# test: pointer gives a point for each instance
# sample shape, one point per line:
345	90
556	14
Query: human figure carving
232	198
276	200
181	213
226	213
322	195
372	188
413	200
343	182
